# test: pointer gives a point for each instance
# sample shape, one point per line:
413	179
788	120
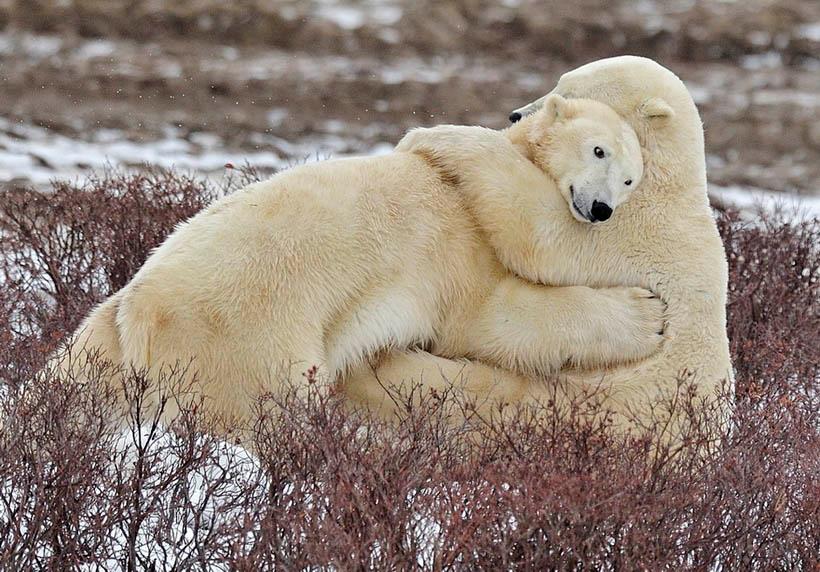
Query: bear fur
310	273
664	239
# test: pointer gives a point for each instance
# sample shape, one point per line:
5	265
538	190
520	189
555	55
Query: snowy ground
750	199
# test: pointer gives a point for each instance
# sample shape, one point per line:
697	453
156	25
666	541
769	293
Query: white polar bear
320	267
664	239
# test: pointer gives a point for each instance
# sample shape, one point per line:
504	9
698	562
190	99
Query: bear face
654	102
592	154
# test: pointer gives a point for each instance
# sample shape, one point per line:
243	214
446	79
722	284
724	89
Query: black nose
600	211
515	117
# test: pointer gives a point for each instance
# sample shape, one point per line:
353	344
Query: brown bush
336	489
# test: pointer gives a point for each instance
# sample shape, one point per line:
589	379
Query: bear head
589	150
656	104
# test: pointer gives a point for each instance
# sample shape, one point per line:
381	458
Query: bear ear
656	108
556	107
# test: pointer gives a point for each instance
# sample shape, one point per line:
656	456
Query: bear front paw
644	323
627	325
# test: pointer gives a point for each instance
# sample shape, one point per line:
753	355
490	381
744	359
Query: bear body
310	273
663	239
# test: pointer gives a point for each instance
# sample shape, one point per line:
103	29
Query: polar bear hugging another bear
250	292
328	263
664	239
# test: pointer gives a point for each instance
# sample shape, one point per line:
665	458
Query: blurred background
197	84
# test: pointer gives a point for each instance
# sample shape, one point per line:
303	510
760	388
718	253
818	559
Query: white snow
786	96
35	46
386	14
768	60
38	155
347	17
277	116
750	199
96	49
352	17
809	31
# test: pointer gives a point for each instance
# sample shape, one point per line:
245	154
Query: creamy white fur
329	263
664	239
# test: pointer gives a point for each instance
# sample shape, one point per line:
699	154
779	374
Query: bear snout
600	211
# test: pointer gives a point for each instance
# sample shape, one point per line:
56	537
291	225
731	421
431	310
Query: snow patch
386	15
347	17
96	49
786	96
809	31
749	199
353	17
38	155
277	116
35	46
768	60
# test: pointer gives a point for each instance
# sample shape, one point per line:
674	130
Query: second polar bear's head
590	151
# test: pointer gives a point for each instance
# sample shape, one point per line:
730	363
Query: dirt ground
201	83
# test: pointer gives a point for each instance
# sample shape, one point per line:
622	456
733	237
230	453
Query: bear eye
599	152
628	182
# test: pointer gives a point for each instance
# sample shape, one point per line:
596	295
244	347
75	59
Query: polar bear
664	239
307	274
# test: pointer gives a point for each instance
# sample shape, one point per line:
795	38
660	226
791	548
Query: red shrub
336	489
78	244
